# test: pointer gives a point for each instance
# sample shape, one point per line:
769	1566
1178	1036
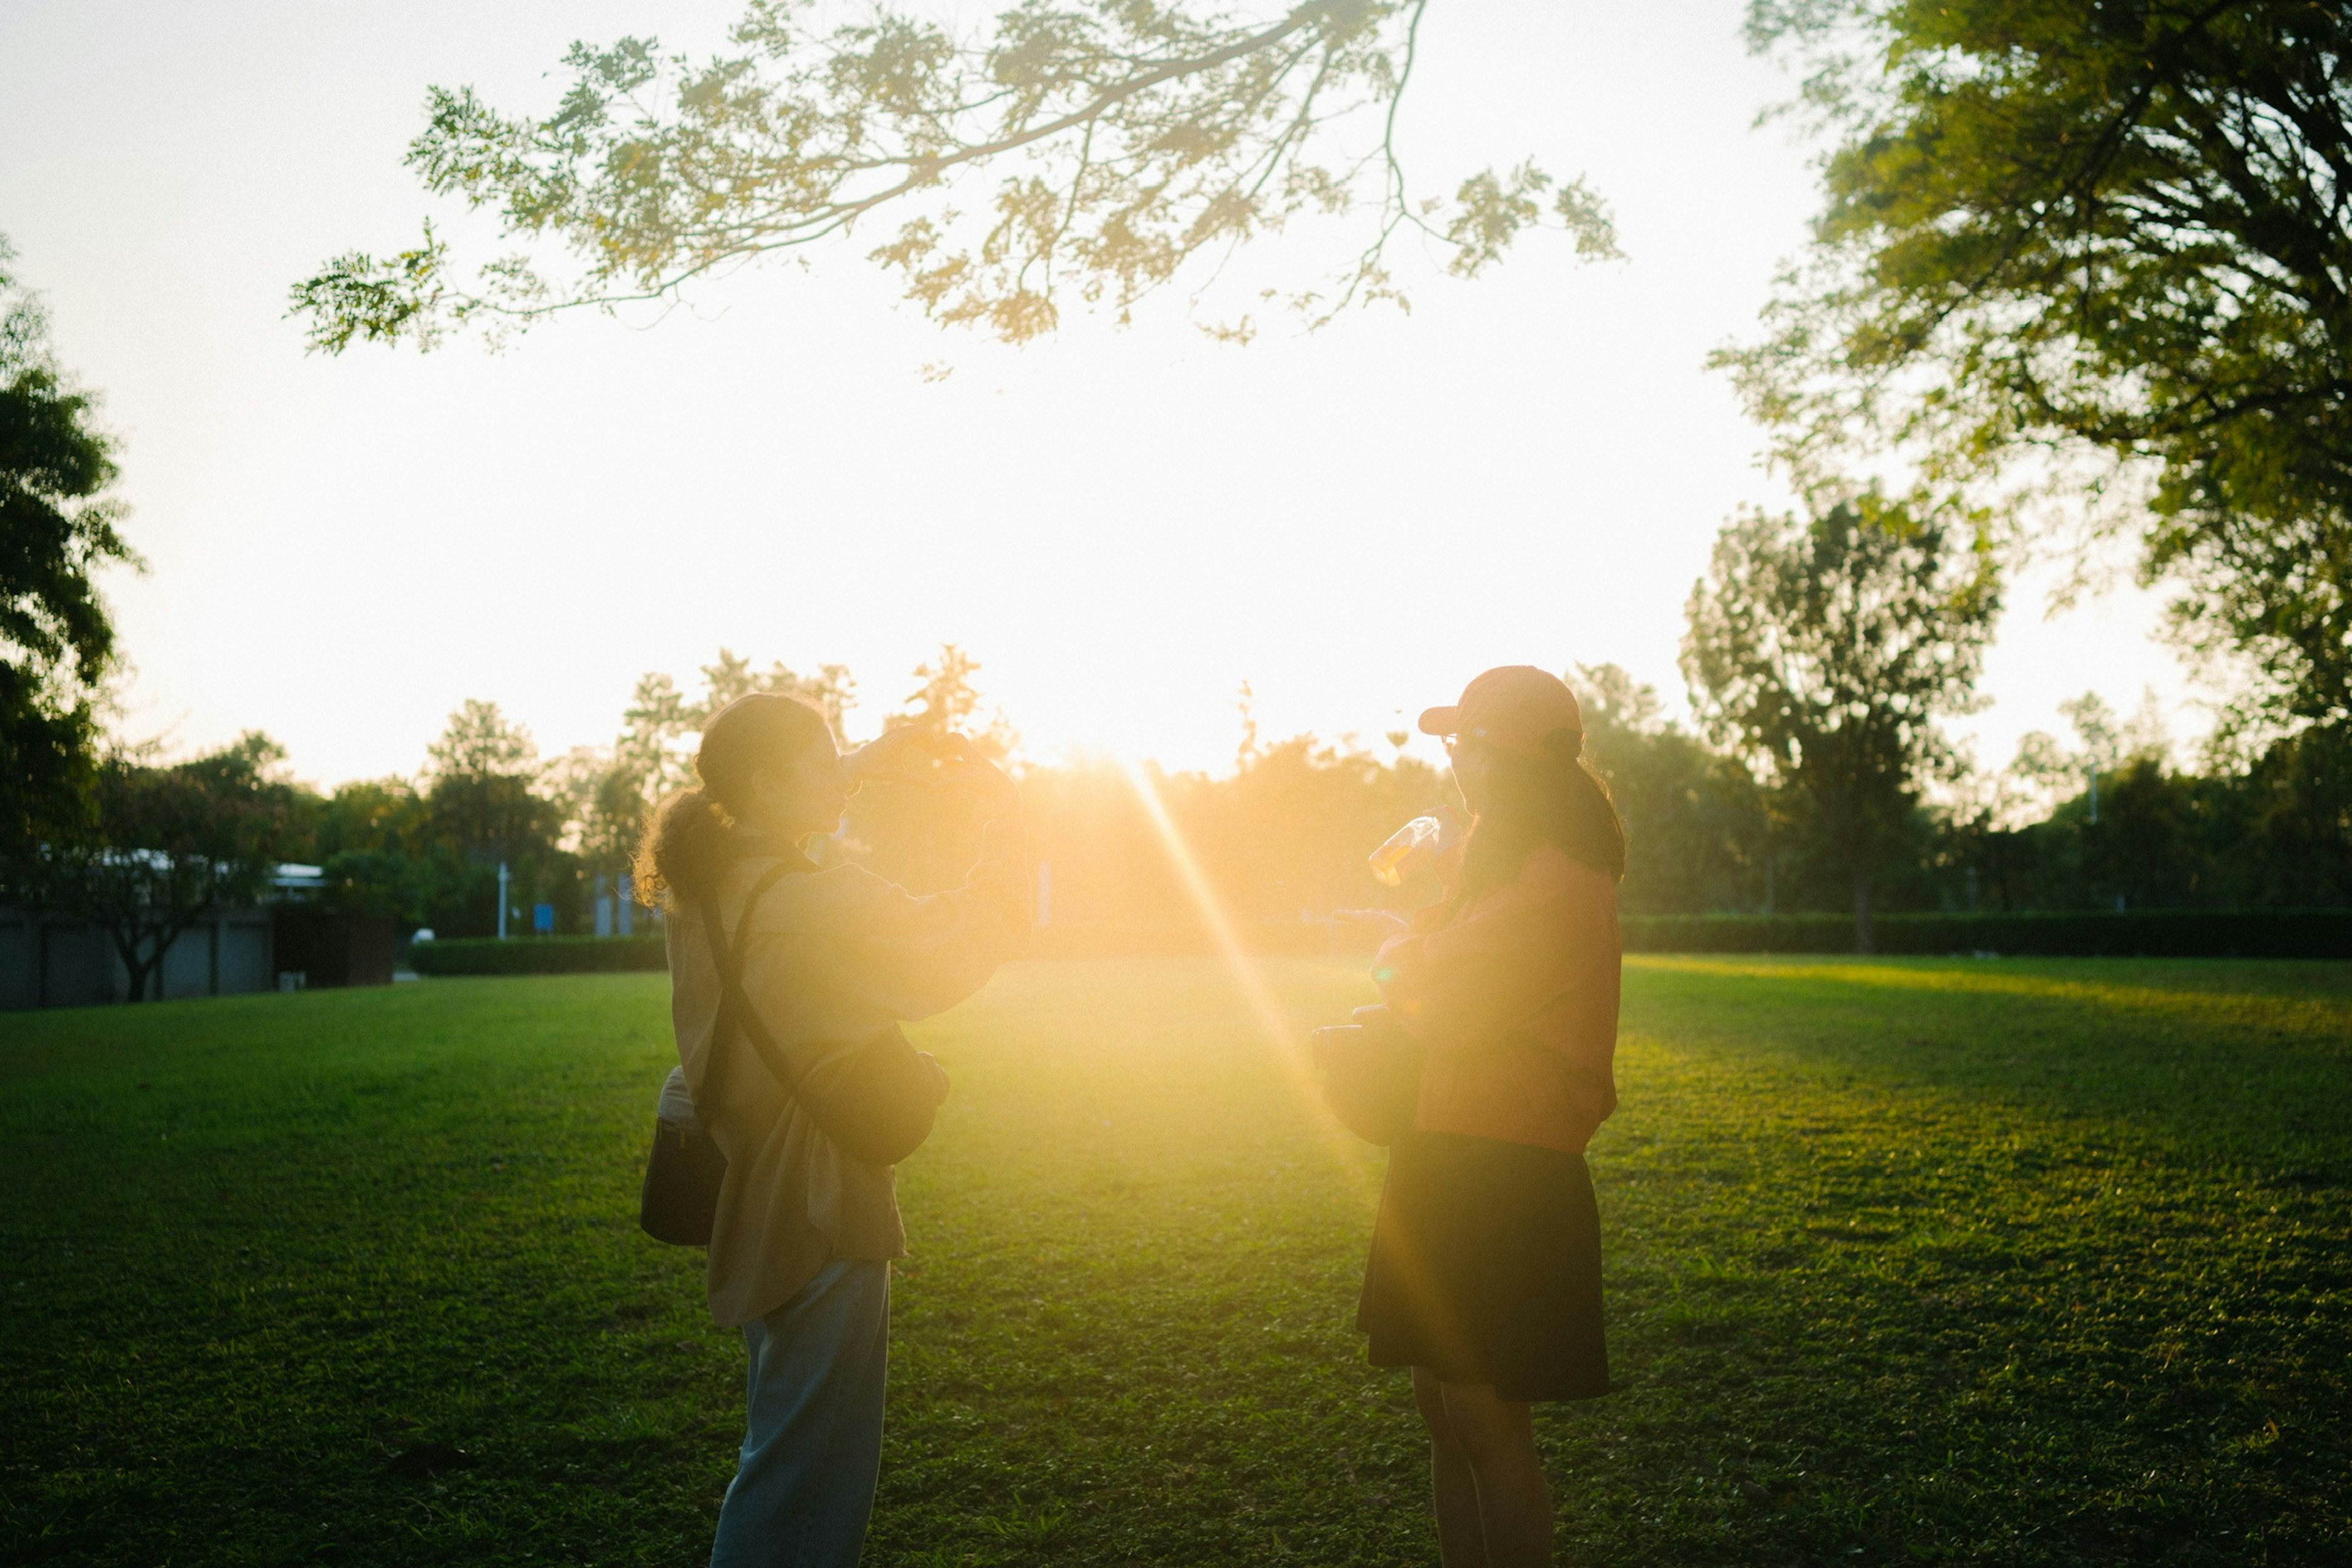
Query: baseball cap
1511	708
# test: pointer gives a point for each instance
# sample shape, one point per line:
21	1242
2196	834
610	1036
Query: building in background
287	942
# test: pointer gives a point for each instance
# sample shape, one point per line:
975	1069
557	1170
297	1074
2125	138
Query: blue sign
542	919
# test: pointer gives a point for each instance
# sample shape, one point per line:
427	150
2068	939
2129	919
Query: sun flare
1279	1034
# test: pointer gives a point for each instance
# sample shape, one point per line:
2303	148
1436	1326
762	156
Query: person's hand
938	1076
964	766
1383	923
1324	1043
908	754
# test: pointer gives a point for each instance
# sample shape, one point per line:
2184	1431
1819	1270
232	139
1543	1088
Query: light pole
502	901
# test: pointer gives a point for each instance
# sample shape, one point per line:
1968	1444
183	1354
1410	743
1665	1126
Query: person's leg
1461	1537
1499	1440
813	1443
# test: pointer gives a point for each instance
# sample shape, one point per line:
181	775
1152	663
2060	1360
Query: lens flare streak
1281	1034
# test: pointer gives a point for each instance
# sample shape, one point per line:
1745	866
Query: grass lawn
2014	1262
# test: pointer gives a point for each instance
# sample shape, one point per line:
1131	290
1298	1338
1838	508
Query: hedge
538	955
593	954
2166	933
2156	933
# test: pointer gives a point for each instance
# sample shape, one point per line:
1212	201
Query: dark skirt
1486	1268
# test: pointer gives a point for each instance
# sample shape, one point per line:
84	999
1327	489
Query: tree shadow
2246	1062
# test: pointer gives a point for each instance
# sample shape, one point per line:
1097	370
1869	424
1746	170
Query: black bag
682	1176
1371	1079
883	1104
679	1203
884	1101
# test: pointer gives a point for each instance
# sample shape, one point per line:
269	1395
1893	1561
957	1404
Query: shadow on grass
2248	1062
1909	1261
1965	1261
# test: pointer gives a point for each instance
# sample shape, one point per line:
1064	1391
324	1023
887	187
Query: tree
483	800
371	842
2299	801
1285	834
1695	829
483	804
57	640
2102	251
1288	834
171	845
480	742
921	837
1825	652
947	699
1124	138
609	795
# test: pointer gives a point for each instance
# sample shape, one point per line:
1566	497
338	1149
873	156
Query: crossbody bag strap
734	1009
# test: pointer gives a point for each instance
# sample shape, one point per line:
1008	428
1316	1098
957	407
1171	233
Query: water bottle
1410	847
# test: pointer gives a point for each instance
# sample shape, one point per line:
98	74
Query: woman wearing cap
1485	1275
801	1239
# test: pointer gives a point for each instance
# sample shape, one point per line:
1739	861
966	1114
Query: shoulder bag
881	1107
1371	1075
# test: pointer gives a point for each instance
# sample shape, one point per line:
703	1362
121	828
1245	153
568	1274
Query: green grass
2015	1262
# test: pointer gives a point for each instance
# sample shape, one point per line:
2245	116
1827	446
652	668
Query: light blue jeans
813	1444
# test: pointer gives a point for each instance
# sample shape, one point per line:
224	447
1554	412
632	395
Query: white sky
1122	525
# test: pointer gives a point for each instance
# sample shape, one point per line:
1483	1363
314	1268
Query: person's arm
1383	923
1493	970
916	956
912	753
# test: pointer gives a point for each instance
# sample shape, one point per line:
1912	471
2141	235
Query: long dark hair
692	835
1555	798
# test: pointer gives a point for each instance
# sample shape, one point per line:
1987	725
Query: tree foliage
1825	652
1285	836
915	835
1087	150
2111	822
1281	837
169	846
370	840
1696	829
949	698
483	796
56	532
610	791
427	850
2099	249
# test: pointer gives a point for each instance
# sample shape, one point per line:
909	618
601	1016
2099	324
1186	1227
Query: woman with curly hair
828	959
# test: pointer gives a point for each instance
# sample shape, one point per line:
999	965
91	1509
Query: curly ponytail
686	847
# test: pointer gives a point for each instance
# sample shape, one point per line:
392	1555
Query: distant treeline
1280	839
2107	822
2159	933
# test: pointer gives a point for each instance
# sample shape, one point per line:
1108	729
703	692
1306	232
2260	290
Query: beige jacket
831	958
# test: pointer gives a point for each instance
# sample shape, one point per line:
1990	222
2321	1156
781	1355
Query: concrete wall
49	962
